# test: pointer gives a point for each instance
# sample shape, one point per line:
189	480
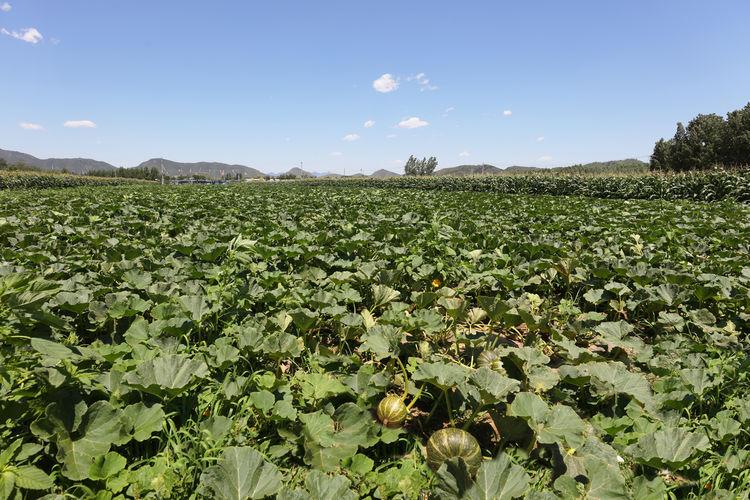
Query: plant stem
406	378
413	401
448	404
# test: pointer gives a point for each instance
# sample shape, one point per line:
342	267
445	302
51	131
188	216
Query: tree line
4	165
708	141
147	173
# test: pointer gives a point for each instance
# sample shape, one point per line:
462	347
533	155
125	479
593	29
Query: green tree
705	137
736	144
680	149
661	159
411	166
425	166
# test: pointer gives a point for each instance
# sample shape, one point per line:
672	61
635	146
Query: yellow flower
436	282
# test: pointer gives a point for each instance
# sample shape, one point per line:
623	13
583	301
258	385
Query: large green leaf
169	374
442	375
241	473
493	387
144	420
86	436
671	447
499	479
559	424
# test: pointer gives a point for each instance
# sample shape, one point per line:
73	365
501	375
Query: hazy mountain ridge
207	168
218	169
75	165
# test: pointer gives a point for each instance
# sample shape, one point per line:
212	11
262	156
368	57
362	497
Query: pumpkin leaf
240	474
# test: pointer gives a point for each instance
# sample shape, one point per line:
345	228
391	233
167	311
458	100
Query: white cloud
413	122
507	112
30	35
337	153
464	154
423	81
397	162
350	137
540	138
391	136
545	158
386	83
6	7
369	124
449	109
54	41
30	126
79	124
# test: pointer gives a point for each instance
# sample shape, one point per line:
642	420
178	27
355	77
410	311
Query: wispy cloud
6	7
391	136
545	158
423	81
413	122
350	137
386	83
369	124
29	35
337	153
30	126
507	112
540	138
397	162
464	154
79	124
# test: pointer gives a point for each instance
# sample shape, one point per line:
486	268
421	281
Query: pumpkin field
305	341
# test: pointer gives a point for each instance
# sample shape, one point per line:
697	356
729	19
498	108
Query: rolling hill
384	174
298	173
74	165
209	169
462	170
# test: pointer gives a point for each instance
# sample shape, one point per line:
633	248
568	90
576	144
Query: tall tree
661	159
705	135
736	147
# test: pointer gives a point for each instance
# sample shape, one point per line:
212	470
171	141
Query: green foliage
163	342
425	166
144	172
35	179
699	186
707	142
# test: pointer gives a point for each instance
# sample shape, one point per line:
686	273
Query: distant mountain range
382	174
216	170
75	165
209	169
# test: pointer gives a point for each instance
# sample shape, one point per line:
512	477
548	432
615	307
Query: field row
39	180
698	186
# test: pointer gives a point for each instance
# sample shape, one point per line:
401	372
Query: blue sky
270	84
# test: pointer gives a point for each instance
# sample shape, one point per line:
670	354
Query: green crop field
249	341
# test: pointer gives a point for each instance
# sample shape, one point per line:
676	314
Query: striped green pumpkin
491	360
392	411
451	443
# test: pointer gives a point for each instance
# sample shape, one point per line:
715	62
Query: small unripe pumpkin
451	443
392	411
491	360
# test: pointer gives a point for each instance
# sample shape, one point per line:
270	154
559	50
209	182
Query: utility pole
161	163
